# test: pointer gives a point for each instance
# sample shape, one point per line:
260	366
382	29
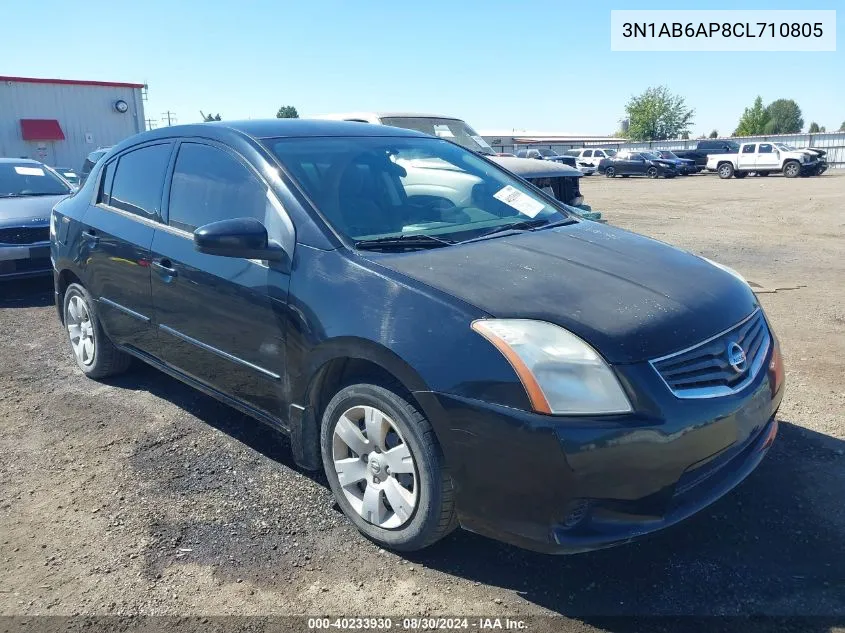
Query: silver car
28	192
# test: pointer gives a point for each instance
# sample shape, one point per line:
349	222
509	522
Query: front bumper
565	485
24	260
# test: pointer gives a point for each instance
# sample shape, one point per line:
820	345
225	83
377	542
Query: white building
60	121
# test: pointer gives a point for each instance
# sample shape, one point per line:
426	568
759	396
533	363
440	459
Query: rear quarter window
138	180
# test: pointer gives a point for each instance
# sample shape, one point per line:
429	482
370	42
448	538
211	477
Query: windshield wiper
403	241
522	225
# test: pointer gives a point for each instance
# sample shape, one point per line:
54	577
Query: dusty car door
220	318
116	236
747	157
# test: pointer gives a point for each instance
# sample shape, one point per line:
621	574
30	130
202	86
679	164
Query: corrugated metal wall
85	113
832	142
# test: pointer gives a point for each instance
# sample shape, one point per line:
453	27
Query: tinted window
709	145
106	182
211	185
765	148
748	149
138	180
599	154
588	153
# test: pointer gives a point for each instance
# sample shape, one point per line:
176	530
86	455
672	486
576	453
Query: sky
538	65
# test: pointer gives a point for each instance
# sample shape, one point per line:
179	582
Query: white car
763	159
591	155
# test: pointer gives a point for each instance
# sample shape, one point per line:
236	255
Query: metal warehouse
61	121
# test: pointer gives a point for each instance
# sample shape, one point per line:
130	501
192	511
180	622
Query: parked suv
592	156
446	341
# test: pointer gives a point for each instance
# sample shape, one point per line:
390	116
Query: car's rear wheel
792	169
726	170
610	172
386	469
92	350
651	172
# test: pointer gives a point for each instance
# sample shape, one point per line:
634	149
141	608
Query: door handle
91	237
165	268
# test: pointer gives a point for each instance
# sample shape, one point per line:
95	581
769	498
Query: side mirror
239	237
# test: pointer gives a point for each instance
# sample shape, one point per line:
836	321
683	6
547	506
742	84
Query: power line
169	116
151	124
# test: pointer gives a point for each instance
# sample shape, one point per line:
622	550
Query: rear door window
138	180
588	153
210	185
748	149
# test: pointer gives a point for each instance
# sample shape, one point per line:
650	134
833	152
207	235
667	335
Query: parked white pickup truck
763	159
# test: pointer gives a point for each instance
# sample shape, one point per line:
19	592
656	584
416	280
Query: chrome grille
705	370
25	235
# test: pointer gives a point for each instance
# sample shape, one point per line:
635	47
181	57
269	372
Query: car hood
27	209
535	168
631	297
666	162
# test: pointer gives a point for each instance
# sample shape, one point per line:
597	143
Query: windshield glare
29	179
376	187
454	130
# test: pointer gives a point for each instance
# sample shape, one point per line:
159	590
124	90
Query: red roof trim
74	82
41	130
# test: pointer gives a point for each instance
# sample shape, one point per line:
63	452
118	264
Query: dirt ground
142	496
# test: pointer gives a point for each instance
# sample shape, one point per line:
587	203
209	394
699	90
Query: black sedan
448	342
630	163
28	190
684	166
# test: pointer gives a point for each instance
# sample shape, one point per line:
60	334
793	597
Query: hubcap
375	467
80	330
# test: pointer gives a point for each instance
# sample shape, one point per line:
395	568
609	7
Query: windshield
454	130
548	152
375	187
667	154
29	179
649	156
785	147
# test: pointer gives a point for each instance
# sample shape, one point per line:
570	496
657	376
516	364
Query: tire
423	494
741	174
792	169
651	172
610	172
726	170
92	350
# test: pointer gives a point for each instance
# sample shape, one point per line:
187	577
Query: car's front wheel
610	172
792	169
94	353
386	469
651	172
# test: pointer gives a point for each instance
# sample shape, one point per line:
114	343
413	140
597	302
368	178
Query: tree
842	127
287	112
657	115
210	117
753	120
814	128
714	134
784	117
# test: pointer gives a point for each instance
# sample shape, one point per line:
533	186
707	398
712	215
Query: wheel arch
65	278
330	367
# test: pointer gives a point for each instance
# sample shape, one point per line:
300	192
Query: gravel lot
142	496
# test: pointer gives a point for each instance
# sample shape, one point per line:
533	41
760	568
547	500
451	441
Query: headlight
727	269
561	373
52	225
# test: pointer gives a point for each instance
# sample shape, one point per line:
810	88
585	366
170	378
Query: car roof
278	128
27	161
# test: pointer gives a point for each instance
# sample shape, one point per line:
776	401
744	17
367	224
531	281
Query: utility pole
169	116
151	125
